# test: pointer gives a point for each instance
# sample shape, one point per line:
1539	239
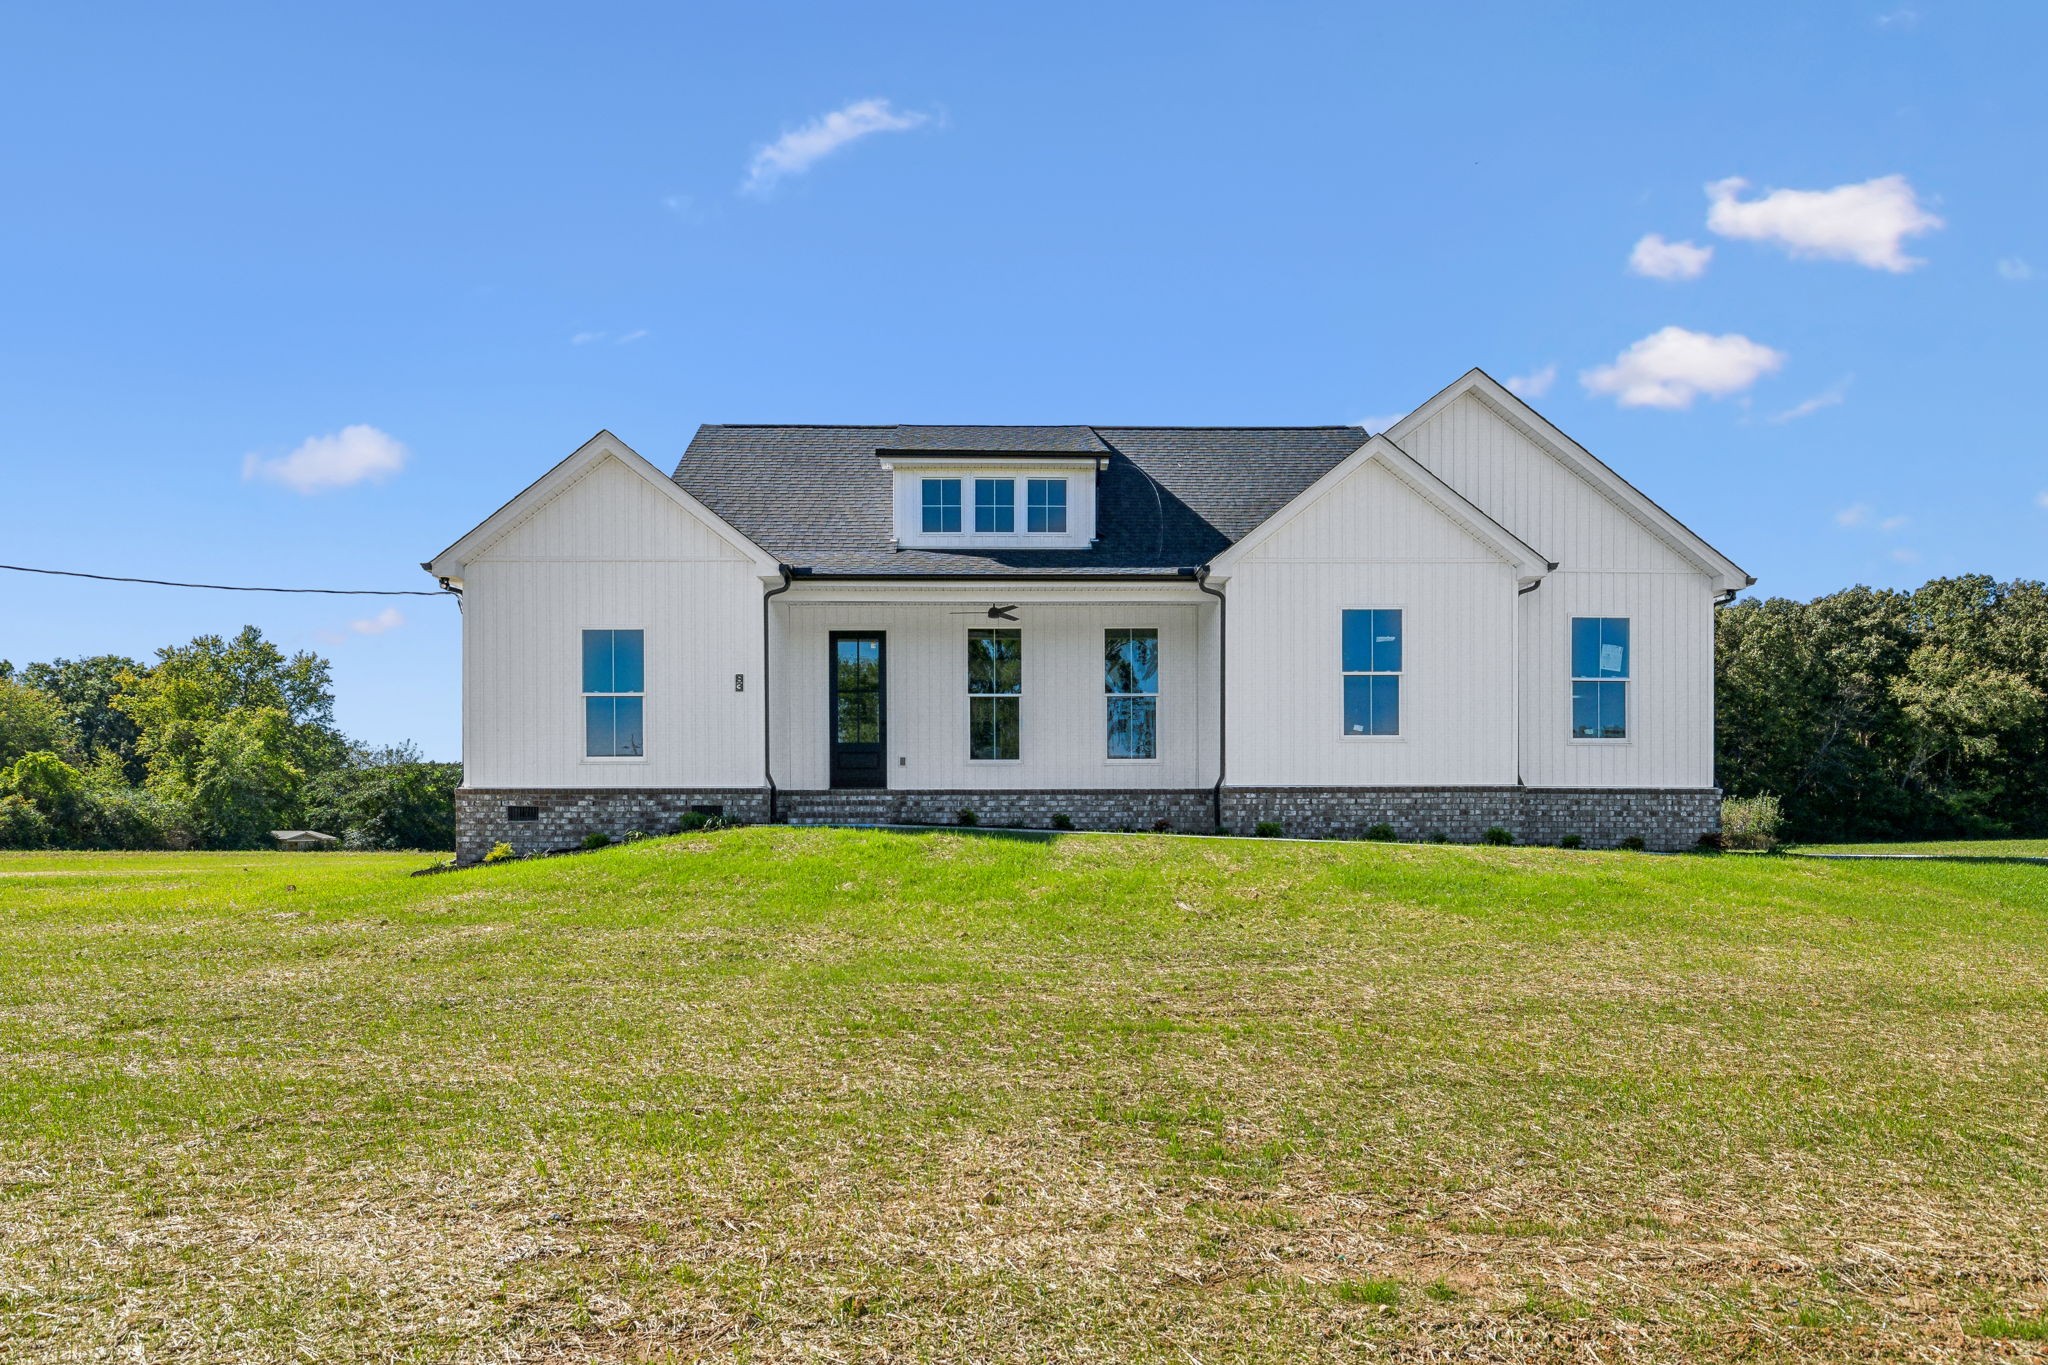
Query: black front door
859	710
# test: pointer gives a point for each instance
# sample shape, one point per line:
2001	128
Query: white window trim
1065	505
979	480
962	505
1628	689
967	639
1400	736
583	719
1159	636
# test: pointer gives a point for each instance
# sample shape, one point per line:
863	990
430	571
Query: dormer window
995	506
993	488
941	506
1046	511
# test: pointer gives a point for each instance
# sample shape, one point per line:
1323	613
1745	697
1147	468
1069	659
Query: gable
1525	473
603	502
1369	516
1471	447
607	512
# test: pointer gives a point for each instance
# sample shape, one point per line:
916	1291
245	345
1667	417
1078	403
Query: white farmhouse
1465	622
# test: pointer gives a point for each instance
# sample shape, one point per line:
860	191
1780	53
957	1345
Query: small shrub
500	853
1162	826
966	816
21	824
1062	820
1436	836
1572	841
1269	829
1710	842
1633	843
634	836
692	820
1752	822
1381	833
595	840
1386	1293
1496	835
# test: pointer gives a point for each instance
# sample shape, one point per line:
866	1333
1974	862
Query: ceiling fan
1008	613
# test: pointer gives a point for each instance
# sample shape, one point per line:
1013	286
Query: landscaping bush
1269	829
1381	833
1751	822
1436	836
1496	835
595	840
21	824
692	820
966	816
1633	843
1162	826
1062	820
500	853
1572	841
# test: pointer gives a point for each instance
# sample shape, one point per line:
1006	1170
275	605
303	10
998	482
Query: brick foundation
1187	812
1665	820
1602	817
565	816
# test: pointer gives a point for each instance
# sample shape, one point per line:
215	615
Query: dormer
994	488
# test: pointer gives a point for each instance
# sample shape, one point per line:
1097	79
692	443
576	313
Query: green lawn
1946	848
773	1094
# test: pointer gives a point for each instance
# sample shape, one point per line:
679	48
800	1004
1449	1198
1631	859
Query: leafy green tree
386	798
245	779
30	721
86	689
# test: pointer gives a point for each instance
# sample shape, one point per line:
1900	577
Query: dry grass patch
812	1095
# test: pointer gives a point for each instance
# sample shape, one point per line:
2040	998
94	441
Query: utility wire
232	587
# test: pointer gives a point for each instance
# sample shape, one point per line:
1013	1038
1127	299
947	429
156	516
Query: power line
234	587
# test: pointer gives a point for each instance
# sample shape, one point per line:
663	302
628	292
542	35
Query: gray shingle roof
817	498
931	440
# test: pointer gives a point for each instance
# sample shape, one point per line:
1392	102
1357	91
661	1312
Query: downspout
1520	593
768	692
1222	689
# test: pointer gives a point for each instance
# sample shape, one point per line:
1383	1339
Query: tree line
1878	714
213	745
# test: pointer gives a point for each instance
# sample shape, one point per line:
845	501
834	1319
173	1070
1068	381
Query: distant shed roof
818	498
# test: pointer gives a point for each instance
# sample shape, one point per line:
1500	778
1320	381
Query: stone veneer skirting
1602	817
568	814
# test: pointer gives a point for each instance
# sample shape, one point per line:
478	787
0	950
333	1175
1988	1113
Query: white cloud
630	337
2042	499
391	618
356	454
2015	269
1672	367
1865	223
801	148
1903	555
1534	384
1861	514
1834	395
585	338
1902	18
1662	260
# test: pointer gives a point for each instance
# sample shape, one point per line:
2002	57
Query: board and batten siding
607	553
1371	541
1063	734
1609	564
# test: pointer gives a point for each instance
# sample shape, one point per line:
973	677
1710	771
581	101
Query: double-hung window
995	692
1130	680
614	693
1599	677
941	505
1045	508
1372	672
995	505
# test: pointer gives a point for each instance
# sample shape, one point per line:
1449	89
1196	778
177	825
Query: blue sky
252	254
